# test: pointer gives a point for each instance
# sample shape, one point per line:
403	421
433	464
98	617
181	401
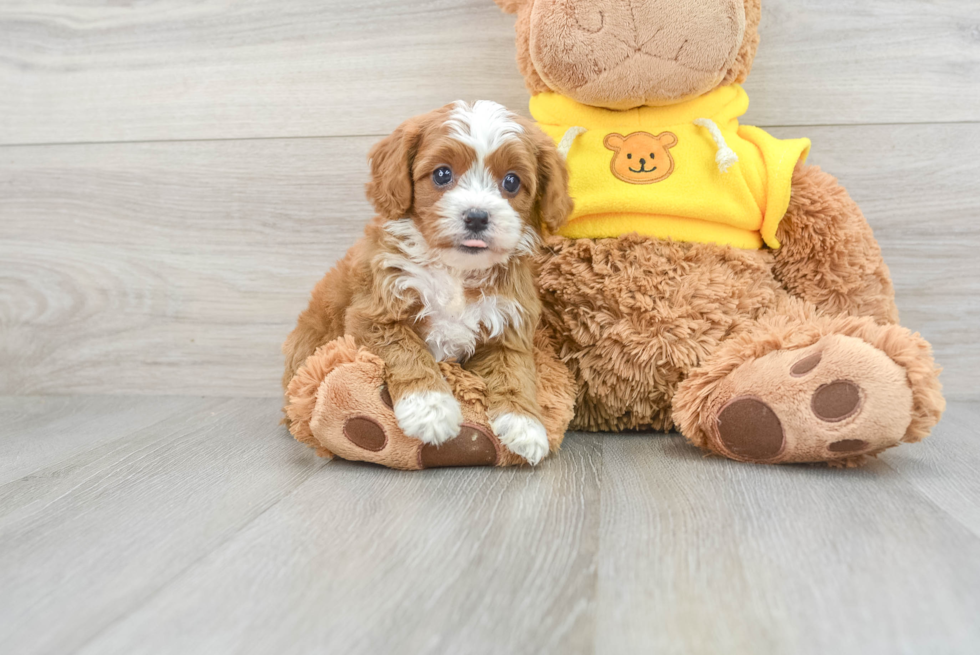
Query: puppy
444	271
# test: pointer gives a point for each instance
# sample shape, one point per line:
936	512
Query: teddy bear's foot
354	418
838	400
357	421
338	403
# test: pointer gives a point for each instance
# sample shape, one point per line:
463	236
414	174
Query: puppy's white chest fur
455	324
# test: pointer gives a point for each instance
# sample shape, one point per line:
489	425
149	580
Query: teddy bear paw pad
749	428
473	446
836	401
848	446
806	365
365	433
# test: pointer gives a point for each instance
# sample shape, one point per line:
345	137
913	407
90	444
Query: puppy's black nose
642	162
476	220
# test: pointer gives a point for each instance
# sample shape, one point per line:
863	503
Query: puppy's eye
629	155
652	156
511	183
442	176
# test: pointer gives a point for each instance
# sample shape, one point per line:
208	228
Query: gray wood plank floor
190	525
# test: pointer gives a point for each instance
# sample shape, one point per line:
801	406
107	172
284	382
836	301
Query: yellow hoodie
688	172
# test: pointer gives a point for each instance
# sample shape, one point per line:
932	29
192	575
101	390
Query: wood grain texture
168	259
180	267
704	555
42	431
214	532
944	468
84	72
366	560
320	565
85	540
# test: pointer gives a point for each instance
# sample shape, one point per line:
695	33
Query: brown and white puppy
444	271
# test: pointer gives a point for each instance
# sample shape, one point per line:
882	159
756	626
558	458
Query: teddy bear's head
620	54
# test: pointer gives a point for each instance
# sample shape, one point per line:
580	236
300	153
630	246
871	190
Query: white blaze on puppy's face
475	225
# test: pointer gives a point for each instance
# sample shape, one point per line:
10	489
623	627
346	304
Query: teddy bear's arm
828	254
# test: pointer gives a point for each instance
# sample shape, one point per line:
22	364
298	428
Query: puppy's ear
390	188
511	6
552	203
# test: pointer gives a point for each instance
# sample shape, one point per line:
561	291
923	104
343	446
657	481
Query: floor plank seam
600	471
801	126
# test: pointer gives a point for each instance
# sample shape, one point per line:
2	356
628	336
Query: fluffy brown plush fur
787	355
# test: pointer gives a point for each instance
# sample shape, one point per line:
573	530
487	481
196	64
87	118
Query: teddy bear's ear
614	141
511	6
667	139
390	189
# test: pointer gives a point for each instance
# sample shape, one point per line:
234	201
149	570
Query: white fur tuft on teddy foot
432	417
522	435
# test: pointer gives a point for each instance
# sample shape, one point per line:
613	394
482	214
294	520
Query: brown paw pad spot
473	446
365	433
805	365
848	446
836	401
386	397
749	428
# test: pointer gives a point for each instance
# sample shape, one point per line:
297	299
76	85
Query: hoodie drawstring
566	141
725	156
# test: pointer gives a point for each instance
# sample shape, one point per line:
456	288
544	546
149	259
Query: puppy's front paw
432	417
522	435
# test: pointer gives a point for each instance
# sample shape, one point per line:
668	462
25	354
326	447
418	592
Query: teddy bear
708	280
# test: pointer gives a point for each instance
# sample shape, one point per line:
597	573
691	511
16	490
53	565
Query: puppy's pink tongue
474	243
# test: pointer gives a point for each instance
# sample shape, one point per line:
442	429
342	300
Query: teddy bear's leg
338	404
828	254
806	388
